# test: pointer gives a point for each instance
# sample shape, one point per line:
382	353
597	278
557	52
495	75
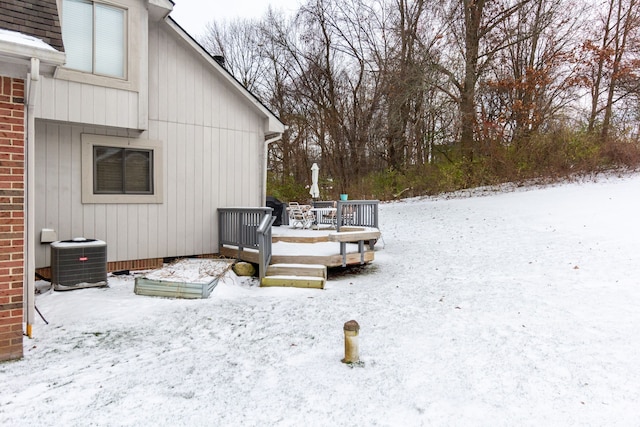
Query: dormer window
94	36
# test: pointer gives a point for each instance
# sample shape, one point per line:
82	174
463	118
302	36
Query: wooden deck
320	247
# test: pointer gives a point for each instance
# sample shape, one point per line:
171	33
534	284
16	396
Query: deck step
309	270
296	275
353	236
294	281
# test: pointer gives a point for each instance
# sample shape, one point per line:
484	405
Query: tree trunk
625	20
472	18
595	89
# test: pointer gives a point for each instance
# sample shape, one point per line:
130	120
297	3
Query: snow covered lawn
516	308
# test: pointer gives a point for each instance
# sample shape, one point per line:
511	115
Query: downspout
265	165
274	139
30	166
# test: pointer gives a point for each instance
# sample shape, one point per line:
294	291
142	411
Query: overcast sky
193	15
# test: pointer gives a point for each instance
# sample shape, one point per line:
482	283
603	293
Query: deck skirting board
336	260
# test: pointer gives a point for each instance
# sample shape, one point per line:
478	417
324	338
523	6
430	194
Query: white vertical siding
60	102
212	141
154	82
84	103
158	213
171	189
207	102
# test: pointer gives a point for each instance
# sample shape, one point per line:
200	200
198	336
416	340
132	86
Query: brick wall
12	216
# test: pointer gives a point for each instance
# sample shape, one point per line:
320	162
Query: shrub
621	153
287	190
546	156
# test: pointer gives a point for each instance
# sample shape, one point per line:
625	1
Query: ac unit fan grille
82	263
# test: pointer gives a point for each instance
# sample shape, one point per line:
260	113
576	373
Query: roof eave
15	58
51	56
159	9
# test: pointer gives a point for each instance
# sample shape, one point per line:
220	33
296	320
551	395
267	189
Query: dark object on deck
278	209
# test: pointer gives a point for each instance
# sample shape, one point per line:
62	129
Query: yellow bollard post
351	350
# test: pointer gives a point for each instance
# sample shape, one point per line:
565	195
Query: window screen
77	33
122	171
94	37
109	41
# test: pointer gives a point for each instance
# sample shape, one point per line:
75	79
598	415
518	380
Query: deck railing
248	228
239	226
359	213
324	204
264	244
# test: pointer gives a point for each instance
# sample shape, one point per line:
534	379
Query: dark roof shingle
37	18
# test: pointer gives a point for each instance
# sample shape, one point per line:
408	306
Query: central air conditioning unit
78	263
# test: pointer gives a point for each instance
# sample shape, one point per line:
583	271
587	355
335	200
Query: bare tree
625	26
238	45
387	86
477	24
531	80
610	61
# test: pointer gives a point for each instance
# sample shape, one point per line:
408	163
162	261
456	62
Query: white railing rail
264	244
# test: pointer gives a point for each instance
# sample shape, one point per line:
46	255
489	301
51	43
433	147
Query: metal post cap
351	325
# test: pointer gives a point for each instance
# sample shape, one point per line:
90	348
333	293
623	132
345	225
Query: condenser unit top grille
78	243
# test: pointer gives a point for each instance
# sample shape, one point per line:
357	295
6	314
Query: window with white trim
121	170
94	36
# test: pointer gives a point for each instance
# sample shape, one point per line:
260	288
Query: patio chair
300	215
331	216
347	215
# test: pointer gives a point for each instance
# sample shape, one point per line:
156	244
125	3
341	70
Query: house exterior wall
12	166
85	98
212	140
212	112
84	103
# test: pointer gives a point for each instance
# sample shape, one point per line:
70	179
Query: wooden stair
295	275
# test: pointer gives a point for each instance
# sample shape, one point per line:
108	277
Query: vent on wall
78	263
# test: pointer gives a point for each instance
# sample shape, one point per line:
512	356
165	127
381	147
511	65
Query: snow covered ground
517	308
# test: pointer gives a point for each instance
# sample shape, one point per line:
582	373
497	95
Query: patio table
322	212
